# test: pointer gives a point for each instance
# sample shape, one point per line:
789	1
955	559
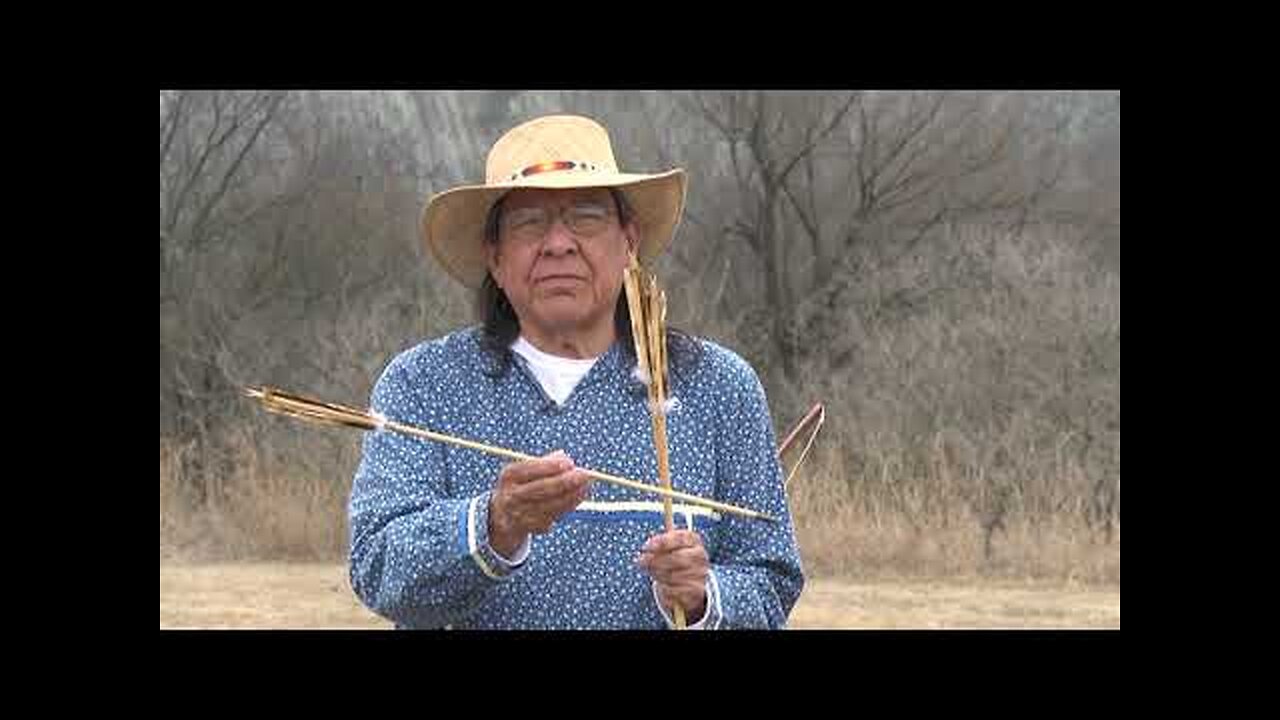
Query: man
444	536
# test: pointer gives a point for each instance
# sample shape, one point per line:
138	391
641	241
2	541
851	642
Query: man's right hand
530	496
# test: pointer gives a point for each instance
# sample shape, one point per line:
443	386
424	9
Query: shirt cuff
477	539
711	617
522	554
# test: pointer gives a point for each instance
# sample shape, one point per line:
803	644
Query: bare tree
910	257
284	217
829	187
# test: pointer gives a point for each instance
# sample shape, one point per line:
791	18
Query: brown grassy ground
316	595
259	515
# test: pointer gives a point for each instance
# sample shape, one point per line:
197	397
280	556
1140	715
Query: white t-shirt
557	375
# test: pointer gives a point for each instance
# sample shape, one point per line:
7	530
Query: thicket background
941	269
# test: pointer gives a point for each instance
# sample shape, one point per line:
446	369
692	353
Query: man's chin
562	300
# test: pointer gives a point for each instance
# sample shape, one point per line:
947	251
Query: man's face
560	257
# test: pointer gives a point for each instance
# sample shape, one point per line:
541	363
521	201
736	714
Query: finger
696	558
588	483
554	489
581	489
525	471
550	503
678	573
685	557
558	506
685	595
672	540
682	584
670	565
680	555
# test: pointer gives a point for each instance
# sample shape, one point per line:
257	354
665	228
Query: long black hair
500	327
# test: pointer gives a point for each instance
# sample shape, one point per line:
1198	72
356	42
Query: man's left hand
678	563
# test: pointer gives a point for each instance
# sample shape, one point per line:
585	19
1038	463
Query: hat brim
453	220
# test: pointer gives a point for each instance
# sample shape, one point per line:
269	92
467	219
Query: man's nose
560	240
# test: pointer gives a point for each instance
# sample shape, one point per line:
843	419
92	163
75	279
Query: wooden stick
630	282
648	307
818	412
297	406
795	431
657	326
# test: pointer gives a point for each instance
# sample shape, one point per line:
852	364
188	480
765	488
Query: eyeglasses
584	218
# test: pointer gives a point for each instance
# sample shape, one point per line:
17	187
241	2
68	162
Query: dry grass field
317	595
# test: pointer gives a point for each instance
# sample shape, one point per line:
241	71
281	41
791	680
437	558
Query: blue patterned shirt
418	510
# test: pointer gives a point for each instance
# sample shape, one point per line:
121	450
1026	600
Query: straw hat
557	151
